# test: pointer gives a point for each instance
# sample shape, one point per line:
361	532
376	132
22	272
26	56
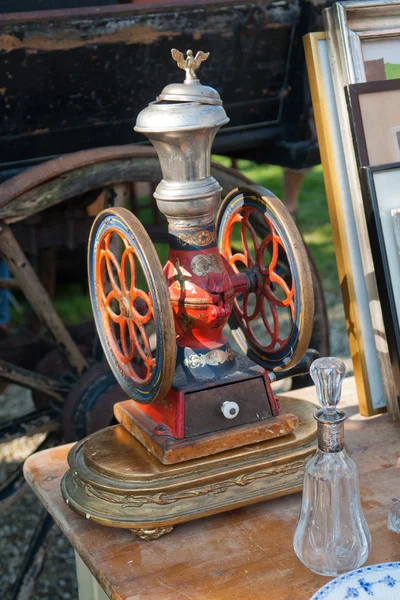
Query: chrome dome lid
184	106
191	89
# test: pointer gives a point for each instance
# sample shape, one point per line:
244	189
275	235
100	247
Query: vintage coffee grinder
202	431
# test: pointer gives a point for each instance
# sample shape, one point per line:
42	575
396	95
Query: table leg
89	589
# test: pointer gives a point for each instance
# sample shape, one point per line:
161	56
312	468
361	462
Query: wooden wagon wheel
272	326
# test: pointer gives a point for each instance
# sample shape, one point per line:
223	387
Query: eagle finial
190	64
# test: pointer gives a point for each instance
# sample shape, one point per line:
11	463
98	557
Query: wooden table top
245	554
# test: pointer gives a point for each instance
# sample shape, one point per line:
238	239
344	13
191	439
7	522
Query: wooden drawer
203	412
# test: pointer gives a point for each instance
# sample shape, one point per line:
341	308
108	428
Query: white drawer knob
230	410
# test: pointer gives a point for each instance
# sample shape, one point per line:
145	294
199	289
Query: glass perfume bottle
394	517
332	535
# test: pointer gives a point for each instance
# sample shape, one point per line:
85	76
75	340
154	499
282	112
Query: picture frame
376	141
364	31
347	26
381	185
396	225
366	349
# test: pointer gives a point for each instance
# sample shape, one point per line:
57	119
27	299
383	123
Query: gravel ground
57	580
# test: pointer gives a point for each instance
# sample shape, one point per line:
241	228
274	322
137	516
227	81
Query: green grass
392	71
73	304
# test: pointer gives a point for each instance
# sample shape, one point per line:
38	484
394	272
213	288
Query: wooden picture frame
381	185
348	25
376	141
349	248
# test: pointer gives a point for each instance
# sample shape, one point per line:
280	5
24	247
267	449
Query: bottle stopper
328	374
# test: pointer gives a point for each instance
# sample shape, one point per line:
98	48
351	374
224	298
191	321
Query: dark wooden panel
10	6
203	409
76	82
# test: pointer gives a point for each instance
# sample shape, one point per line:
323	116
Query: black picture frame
353	93
386	287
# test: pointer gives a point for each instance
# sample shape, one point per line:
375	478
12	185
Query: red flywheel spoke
249	260
142	302
128	258
275	331
111	261
271	296
131	305
145	354
255	322
126	327
256	310
112	296
129	352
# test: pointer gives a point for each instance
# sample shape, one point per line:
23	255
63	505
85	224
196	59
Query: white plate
376	582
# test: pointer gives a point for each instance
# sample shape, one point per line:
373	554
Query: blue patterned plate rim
329	587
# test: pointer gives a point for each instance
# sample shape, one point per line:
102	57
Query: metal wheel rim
158	379
264	201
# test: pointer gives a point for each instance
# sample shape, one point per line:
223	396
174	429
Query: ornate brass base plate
115	481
